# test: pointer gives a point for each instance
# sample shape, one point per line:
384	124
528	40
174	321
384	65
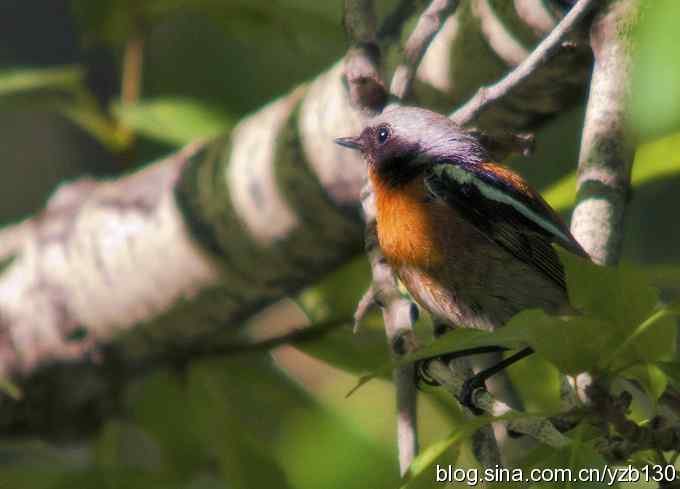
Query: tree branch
487	96
117	271
606	156
362	71
429	24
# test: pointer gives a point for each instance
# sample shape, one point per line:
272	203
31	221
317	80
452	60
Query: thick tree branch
606	156
185	250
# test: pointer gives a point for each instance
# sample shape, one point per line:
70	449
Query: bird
468	237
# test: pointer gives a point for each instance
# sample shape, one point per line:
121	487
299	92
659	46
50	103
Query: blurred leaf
354	353
652	379
114	478
161	410
538	383
124	444
654	160
617	294
11	389
579	455
560	339
23	80
175	121
423	463
423	466
244	458
623	300
332	298
653	339
672	371
655	108
63	90
113	21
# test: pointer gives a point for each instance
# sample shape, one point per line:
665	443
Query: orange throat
407	227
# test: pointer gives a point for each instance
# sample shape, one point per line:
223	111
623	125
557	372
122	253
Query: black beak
351	143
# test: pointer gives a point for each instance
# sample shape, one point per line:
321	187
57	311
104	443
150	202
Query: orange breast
408	227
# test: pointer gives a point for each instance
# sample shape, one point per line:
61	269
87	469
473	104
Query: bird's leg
478	380
421	365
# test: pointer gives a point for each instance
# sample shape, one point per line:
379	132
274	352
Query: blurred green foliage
260	421
656	76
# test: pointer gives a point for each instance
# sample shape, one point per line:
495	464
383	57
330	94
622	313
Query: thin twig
133	59
429	24
486	96
365	305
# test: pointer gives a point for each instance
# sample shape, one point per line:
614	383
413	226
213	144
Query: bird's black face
393	158
402	142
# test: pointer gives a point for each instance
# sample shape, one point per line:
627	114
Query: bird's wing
504	208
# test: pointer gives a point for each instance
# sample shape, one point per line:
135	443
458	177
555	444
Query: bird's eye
383	134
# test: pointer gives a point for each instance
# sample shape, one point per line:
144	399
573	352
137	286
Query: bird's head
402	142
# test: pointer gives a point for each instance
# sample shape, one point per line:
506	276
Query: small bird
468	237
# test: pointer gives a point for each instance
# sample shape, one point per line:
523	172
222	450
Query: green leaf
560	340
159	405
579	455
24	80
538	383
652	339
672	371
654	160
11	389
626	305
243	457
652	379
655	108
173	120
423	463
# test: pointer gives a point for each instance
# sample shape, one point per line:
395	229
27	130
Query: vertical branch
606	159
362	62
399	315
131	77
367	93
133	59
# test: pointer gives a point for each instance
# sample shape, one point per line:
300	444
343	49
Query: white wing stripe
464	177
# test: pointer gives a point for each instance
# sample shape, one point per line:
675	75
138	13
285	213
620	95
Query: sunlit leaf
656	74
652	379
23	80
175	121
654	160
560	340
423	464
